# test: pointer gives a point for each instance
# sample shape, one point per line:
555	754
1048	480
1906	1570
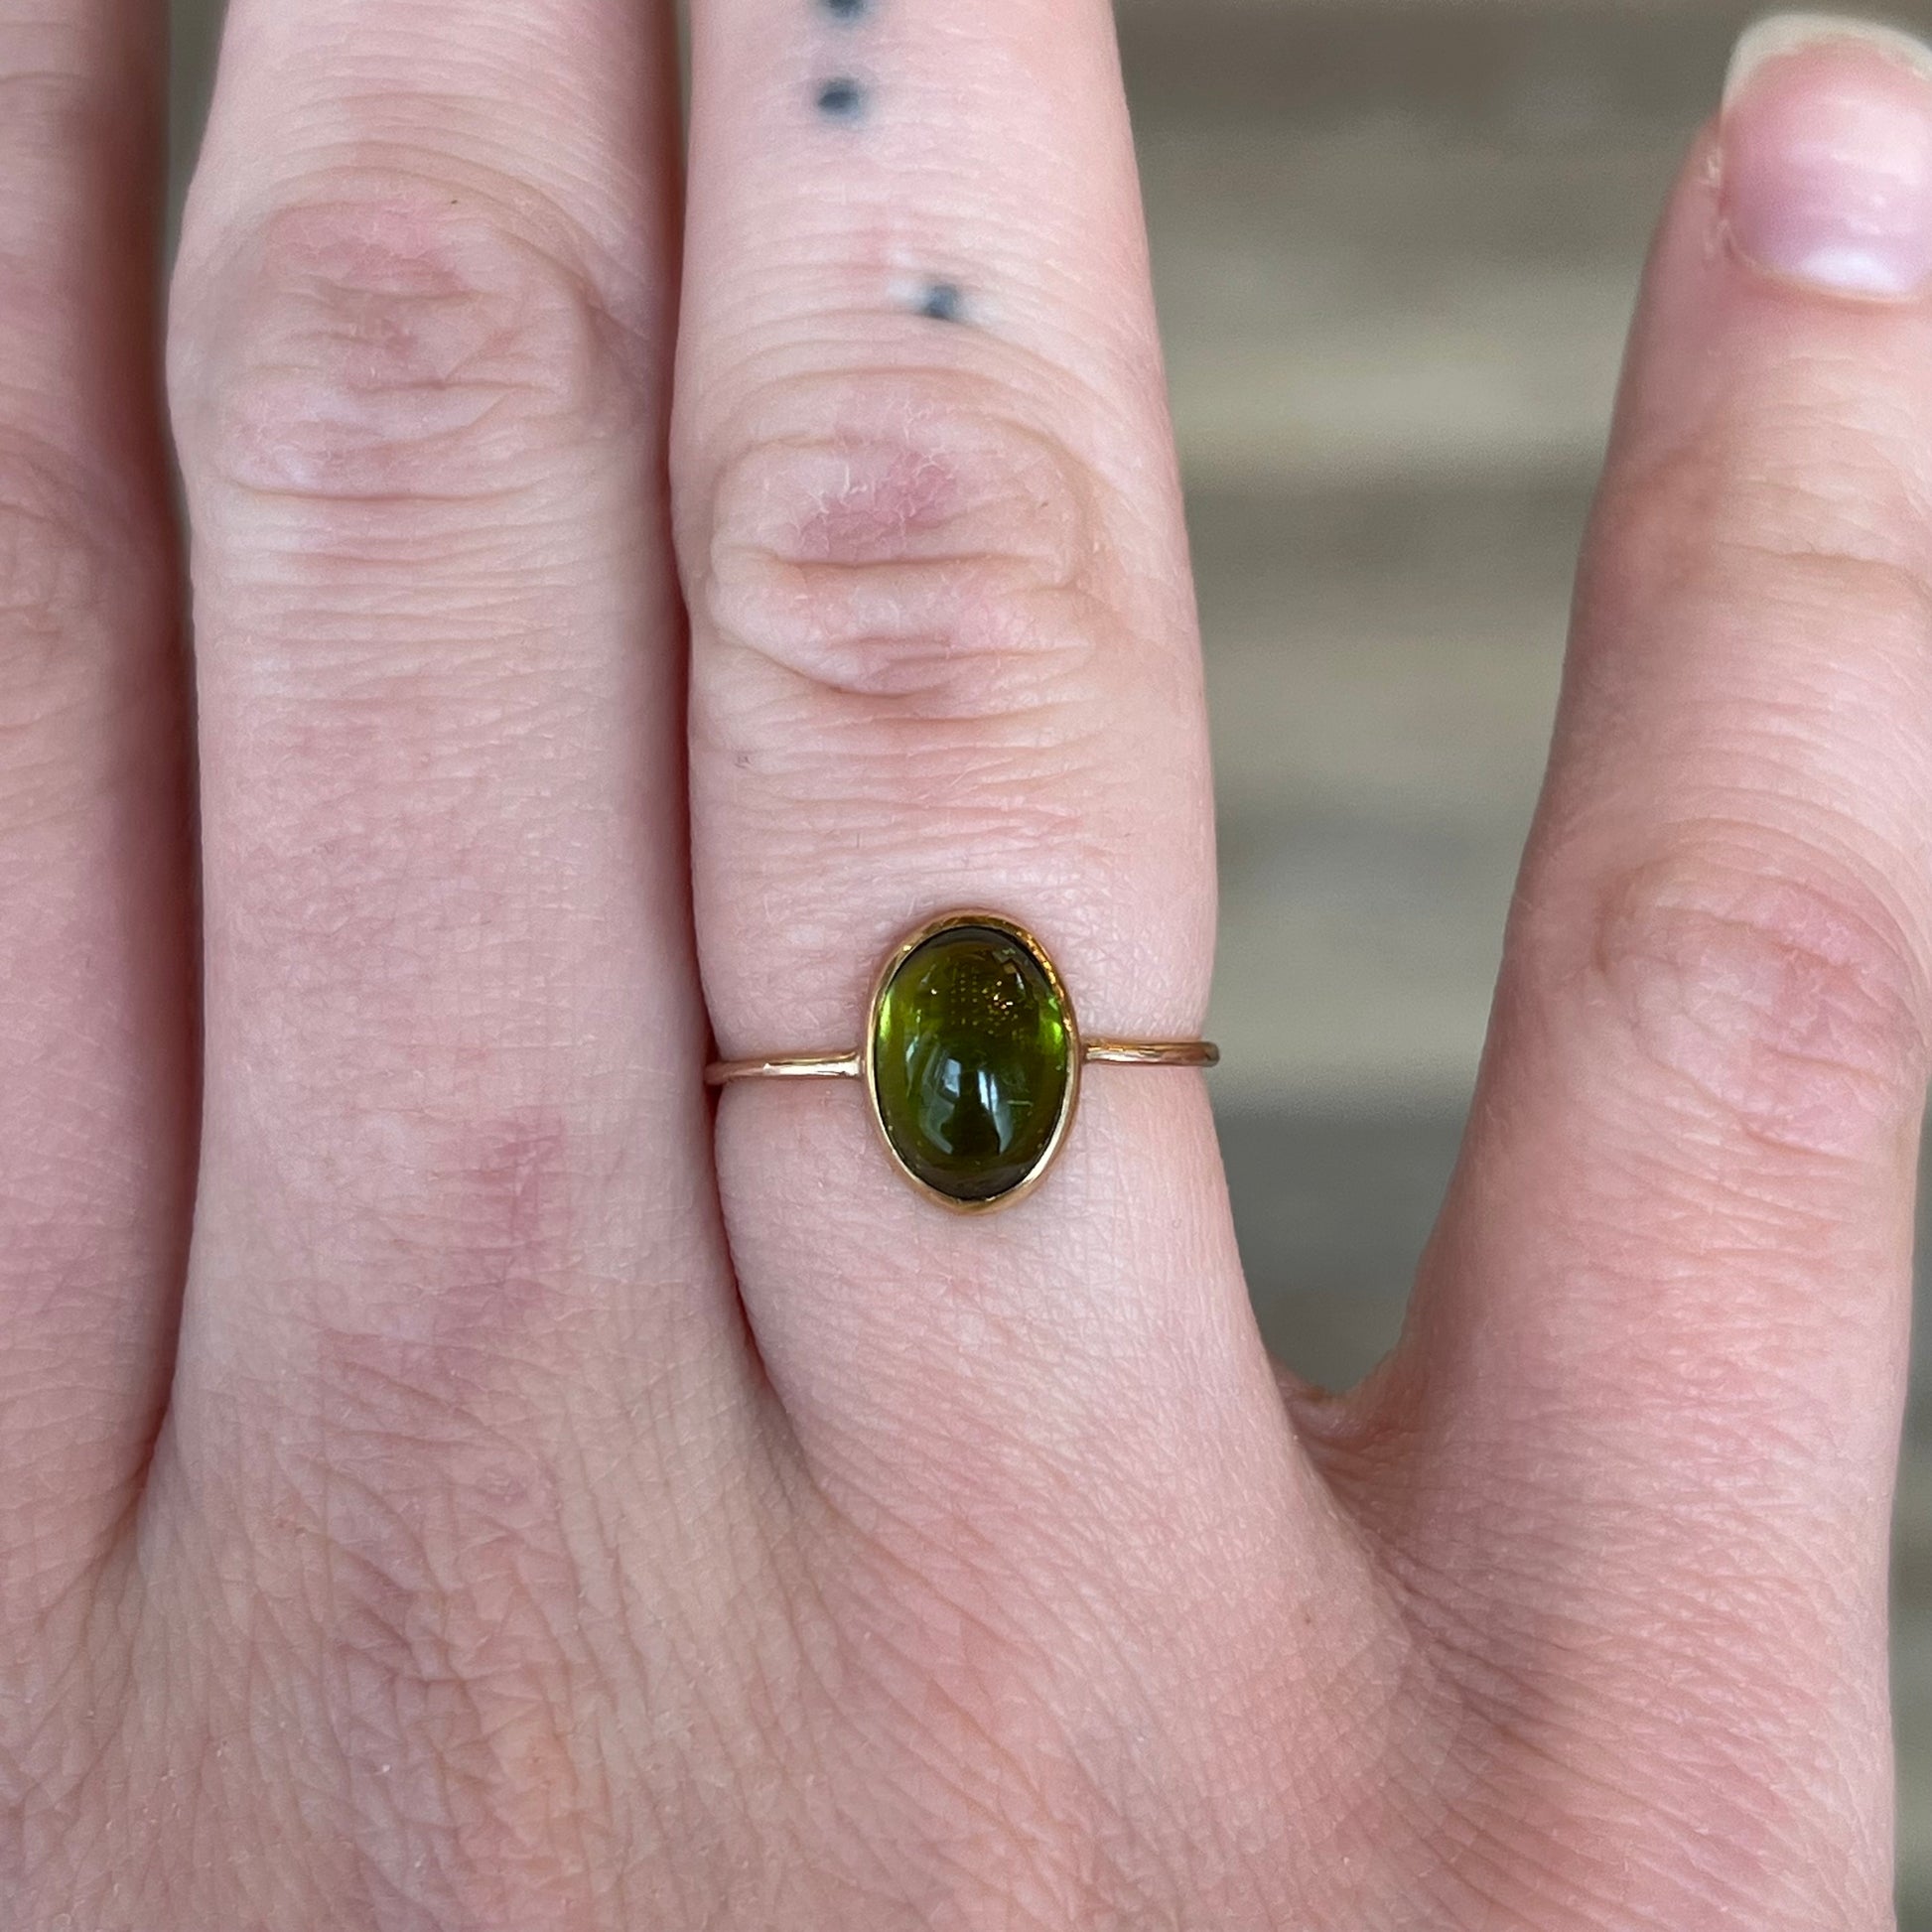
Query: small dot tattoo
848	9
842	100
942	302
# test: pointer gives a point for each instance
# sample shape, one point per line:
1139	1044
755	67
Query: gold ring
972	1063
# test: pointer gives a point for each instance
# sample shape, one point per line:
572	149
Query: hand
550	1507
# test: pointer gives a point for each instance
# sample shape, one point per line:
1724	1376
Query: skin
460	1476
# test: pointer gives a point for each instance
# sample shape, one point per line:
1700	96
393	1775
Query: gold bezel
1075	1049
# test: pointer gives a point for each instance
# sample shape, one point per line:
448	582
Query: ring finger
946	657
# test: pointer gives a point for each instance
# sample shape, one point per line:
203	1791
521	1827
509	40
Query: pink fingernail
1828	155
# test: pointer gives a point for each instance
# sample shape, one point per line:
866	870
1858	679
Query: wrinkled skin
461	1475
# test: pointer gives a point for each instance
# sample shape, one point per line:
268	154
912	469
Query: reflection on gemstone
972	1063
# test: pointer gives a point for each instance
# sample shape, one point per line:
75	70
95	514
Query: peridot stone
972	1063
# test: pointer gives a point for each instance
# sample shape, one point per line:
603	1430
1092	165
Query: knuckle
902	535
1748	524
73	553
54	554
409	1564
44	121
50	103
472	1220
444	1680
1774	987
389	342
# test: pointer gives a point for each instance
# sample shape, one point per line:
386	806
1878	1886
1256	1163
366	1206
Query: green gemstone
972	1063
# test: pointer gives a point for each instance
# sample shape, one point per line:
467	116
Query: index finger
1647	1407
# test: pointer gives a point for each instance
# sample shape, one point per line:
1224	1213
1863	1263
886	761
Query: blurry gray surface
1395	246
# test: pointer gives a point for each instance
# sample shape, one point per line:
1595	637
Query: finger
453	1125
1652	1381
95	1106
944	656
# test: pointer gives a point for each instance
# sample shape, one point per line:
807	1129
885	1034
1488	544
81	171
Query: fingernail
1827	155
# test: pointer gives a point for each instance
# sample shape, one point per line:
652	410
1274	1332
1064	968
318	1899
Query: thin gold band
851	1066
1155	1052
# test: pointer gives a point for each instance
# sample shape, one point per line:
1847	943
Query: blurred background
1396	243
